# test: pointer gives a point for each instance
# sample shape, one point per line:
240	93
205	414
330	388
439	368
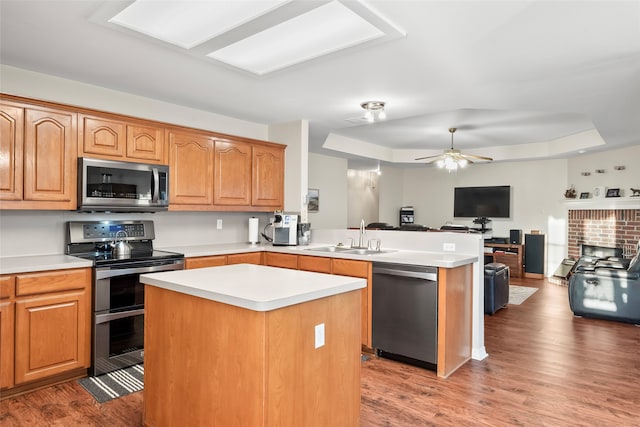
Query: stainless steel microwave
112	186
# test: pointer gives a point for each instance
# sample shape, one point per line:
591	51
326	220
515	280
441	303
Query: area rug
114	384
518	294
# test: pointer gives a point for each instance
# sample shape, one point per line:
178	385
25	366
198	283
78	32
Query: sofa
606	289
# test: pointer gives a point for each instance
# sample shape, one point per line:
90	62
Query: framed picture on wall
313	200
598	192
613	192
585	195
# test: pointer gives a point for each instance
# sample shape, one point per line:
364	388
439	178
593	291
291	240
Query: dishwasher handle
406	273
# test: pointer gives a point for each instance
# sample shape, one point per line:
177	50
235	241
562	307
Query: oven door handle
104	318
109	272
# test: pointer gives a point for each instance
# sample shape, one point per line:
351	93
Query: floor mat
518	294
114	384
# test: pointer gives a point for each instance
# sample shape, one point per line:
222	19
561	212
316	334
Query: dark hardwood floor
545	368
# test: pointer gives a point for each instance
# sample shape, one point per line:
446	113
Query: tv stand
508	254
485	227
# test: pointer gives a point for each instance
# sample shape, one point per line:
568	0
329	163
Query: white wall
624	179
329	175
296	136
16	81
390	192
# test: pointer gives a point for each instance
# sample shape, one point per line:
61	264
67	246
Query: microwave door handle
155	185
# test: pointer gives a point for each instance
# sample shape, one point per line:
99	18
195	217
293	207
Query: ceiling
518	79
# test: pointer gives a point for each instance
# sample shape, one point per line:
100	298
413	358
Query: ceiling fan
452	158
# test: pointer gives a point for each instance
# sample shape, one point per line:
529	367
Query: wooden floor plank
545	368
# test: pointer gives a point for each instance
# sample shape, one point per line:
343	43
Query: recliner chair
496	287
607	289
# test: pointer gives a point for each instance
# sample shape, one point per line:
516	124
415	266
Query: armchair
607	289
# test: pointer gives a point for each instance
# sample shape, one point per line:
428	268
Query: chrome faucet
361	237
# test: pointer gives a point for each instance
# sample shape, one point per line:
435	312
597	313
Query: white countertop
399	256
28	264
254	287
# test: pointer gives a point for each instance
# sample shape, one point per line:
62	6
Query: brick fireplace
613	228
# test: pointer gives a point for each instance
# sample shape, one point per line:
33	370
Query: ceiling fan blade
473	156
428	157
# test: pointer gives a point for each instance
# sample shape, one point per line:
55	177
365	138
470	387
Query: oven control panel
100	231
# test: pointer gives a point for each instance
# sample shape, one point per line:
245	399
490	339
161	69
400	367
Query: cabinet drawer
205	261
281	260
7	286
351	268
52	281
314	263
246	258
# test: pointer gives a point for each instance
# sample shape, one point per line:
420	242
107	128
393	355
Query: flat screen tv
482	202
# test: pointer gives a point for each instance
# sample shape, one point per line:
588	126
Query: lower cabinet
275	259
245	258
205	261
47	324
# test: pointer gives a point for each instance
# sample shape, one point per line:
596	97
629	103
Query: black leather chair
606	289
496	287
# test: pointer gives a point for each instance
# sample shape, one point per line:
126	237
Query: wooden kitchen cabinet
190	171
275	259
111	137
205	261
245	258
6	331
52	329
267	188
40	145
232	173
361	269
314	263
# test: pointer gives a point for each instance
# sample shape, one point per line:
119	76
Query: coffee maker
285	230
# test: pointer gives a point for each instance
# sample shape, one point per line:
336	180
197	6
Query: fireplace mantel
603	203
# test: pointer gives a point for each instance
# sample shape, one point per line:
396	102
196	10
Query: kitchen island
251	345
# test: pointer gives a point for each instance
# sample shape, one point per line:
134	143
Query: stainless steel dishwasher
405	313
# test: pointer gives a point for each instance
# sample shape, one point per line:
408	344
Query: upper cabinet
38	152
190	171
267	189
232	169
111	137
224	174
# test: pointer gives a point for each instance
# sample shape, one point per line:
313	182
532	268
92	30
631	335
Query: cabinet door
267	188
246	258
232	182
52	335
358	269
314	263
205	261
146	144
50	153
274	259
7	285
11	140
102	137
190	171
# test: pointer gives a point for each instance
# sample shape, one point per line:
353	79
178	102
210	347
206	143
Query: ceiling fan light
463	162
382	115
369	116
440	163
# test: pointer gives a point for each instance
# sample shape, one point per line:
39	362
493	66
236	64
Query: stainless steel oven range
120	251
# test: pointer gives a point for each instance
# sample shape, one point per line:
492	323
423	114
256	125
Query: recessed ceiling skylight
189	23
323	30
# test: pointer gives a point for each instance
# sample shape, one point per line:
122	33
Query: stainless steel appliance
285	230
105	185
304	233
405	313
118	295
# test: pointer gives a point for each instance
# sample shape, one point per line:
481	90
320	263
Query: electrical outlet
319	335
449	247
219	224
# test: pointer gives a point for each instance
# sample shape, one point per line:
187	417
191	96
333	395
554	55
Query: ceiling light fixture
374	110
452	159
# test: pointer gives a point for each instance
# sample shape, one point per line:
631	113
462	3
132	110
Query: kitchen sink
330	249
347	250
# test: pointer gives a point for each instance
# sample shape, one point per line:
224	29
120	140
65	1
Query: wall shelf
603	203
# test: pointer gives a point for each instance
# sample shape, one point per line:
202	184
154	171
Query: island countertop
254	287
